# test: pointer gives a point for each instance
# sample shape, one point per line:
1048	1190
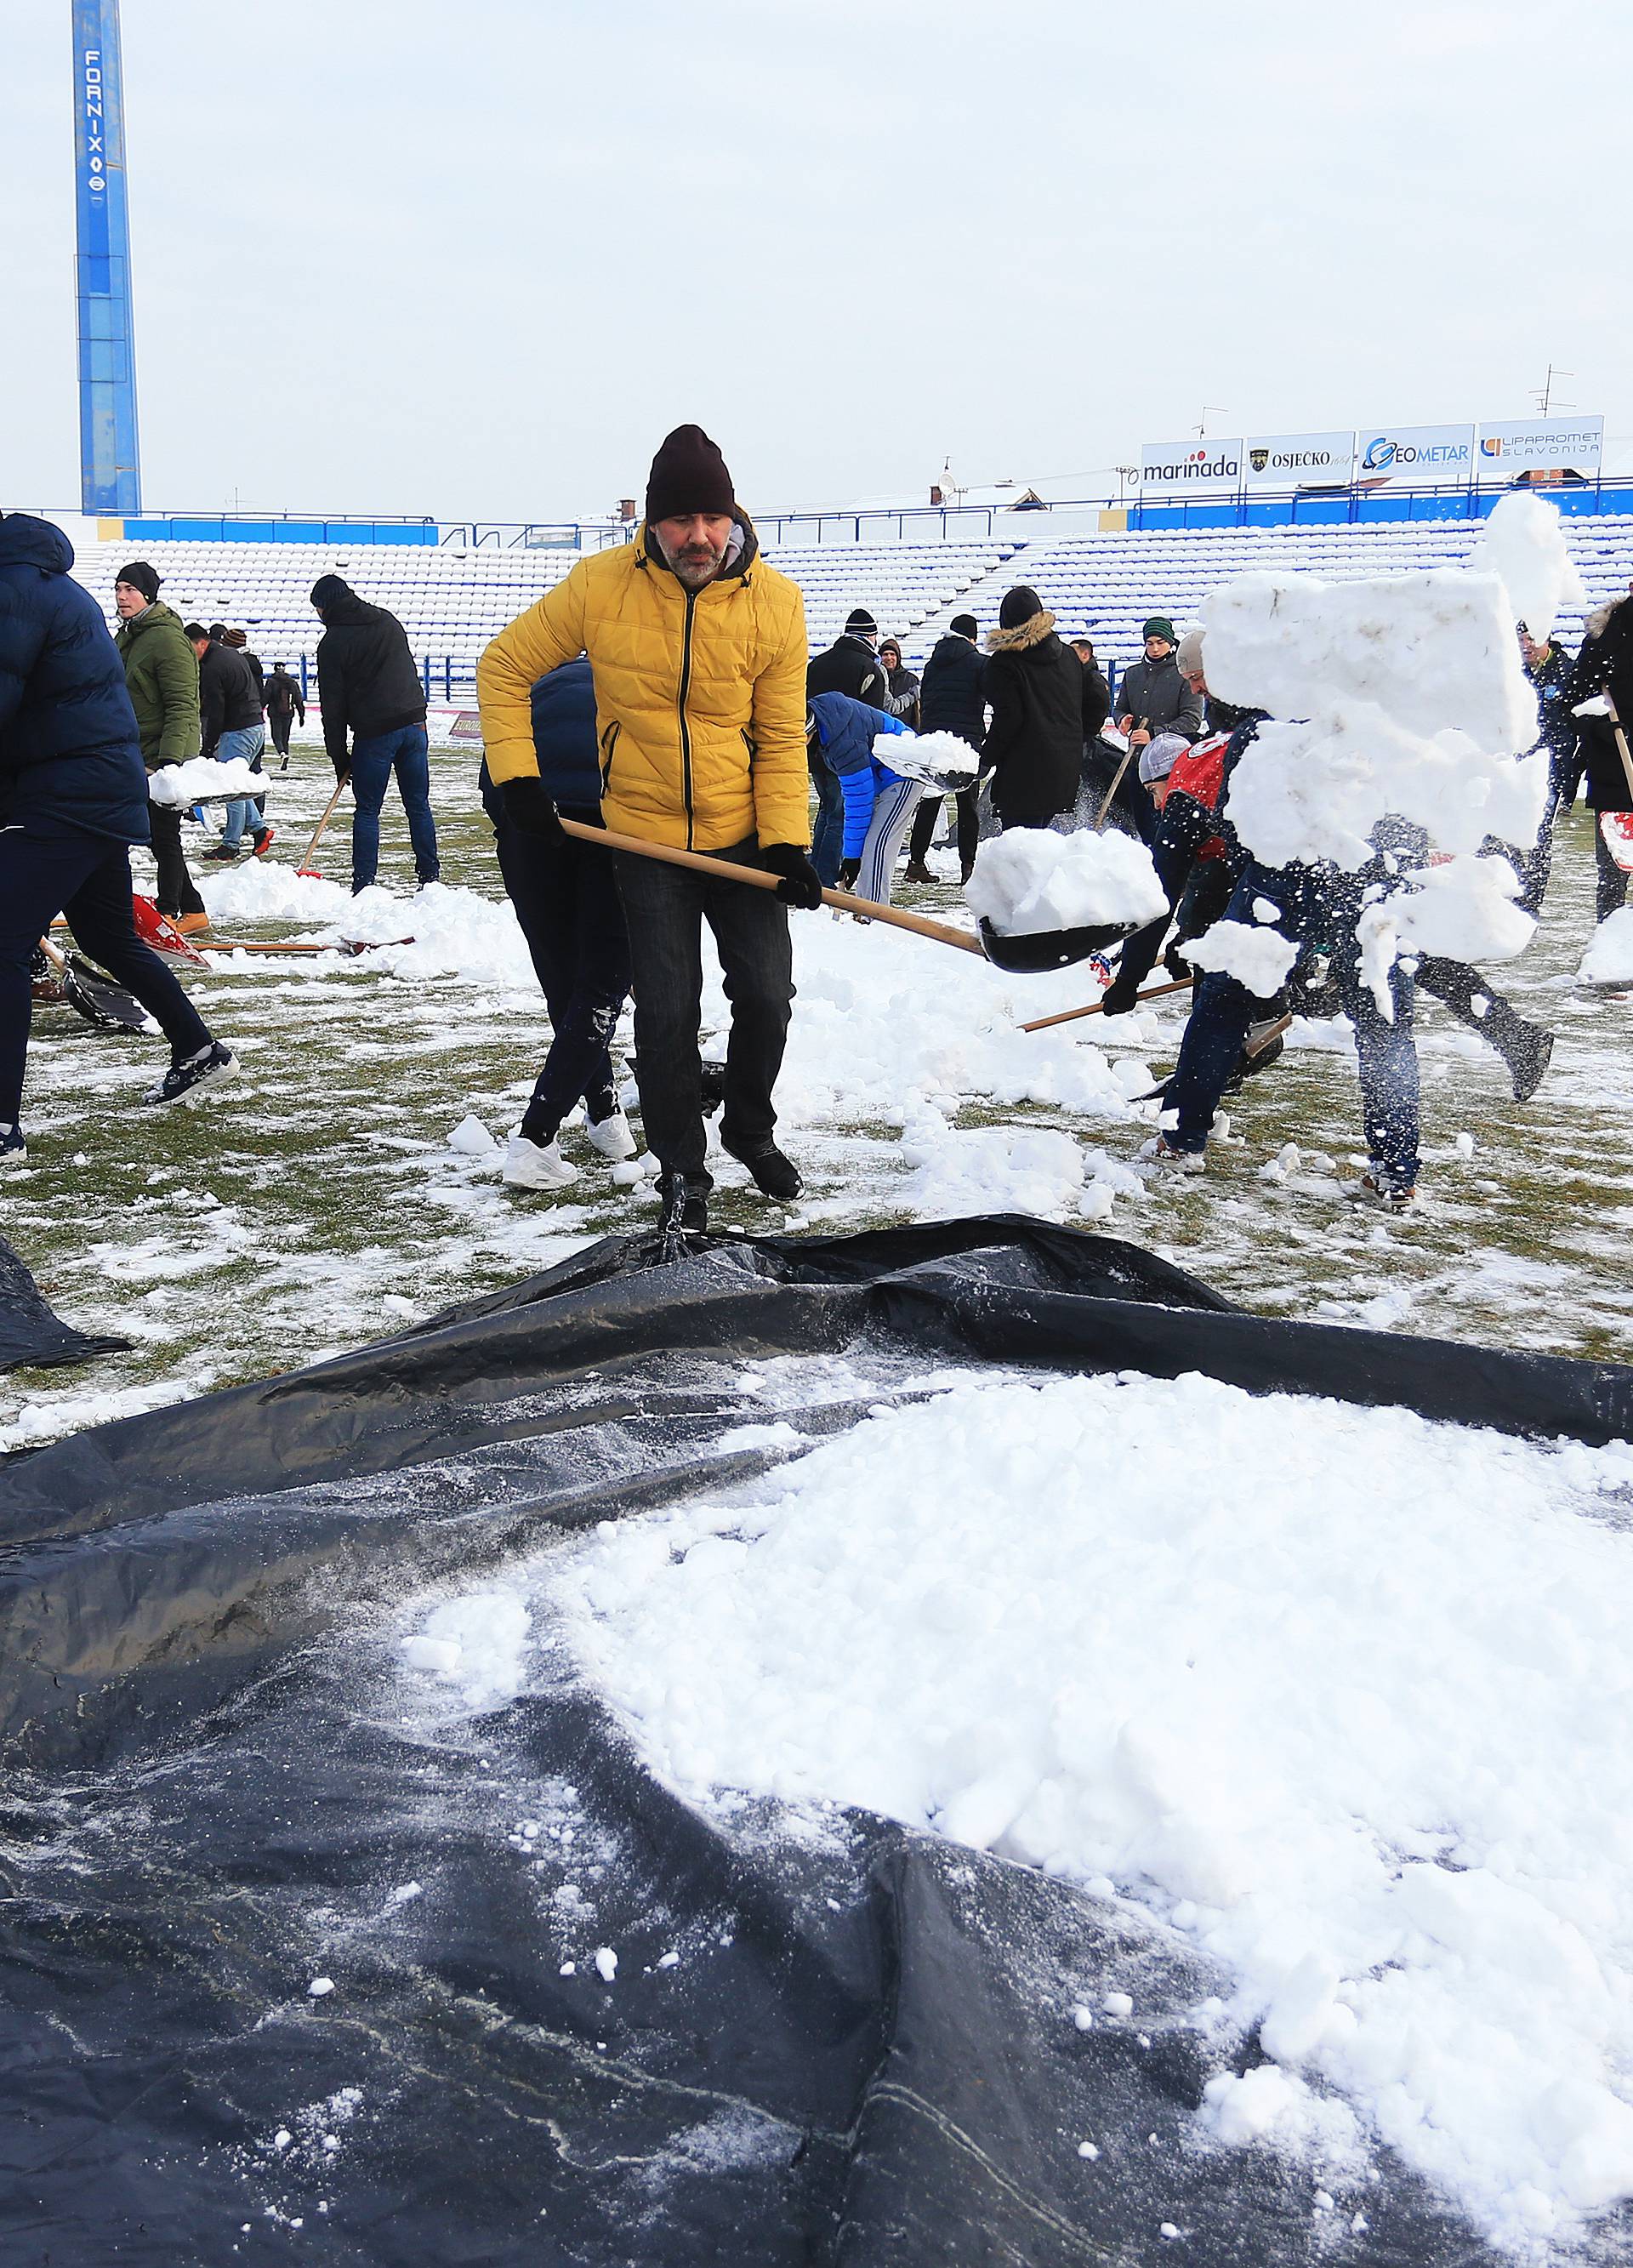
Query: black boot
1526	1056
681	1208
774	1175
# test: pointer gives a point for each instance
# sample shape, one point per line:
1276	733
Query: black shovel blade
1050	948
100	1001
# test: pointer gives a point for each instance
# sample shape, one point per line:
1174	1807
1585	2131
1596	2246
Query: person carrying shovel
698	649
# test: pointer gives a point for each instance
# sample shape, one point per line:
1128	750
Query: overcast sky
475	258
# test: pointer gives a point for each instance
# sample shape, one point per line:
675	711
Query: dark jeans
87	877
280	721
374	761
925	818
666	908
828	838
1612	888
567	902
174	887
1324	916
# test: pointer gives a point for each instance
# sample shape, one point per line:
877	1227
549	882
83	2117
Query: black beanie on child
1019	606
688	475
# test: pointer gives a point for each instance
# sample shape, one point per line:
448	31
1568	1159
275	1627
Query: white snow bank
1524	544
1257	958
1342	1693
202	779
477	1643
1029	879
1609	956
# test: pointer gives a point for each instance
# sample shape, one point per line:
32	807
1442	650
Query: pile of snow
934	756
476	1644
1609	956
1524	544
1259	959
1028	880
1404	694
1224	1652
202	779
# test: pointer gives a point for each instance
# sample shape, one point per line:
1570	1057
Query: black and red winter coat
1034	747
1191	832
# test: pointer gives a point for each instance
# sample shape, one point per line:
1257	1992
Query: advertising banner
1510	446
1298	460
1185	468
1417	456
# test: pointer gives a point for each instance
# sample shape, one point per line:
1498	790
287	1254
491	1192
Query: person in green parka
161	675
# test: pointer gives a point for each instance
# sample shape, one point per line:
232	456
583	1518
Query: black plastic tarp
30	1335
852	2047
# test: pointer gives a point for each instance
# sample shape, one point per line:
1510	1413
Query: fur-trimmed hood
1595	623
1033	632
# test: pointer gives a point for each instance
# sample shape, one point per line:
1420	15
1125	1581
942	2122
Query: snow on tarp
1028	880
402	1952
30	1335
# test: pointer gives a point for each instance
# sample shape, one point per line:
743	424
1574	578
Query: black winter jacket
951	696
850	665
280	695
229	700
70	756
1096	699
1605	665
1035	742
367	682
1155	692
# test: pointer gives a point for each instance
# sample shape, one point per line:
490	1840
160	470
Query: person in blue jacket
841	735
567	902
73	799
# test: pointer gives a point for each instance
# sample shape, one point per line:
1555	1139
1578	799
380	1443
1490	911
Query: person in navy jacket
73	799
566	900
842	736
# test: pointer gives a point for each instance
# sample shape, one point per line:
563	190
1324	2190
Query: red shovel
1616	827
160	935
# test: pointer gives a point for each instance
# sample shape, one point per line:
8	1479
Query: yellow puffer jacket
700	696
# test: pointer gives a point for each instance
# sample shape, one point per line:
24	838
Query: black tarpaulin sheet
30	1335
841	2047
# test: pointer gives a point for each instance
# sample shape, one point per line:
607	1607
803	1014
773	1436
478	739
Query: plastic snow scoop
306	868
1259	1050
1020	956
93	996
160	934
1097	1007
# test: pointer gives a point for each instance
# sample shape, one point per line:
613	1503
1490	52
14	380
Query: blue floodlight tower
110	470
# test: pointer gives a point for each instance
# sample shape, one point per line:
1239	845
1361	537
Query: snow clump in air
1524	544
1029	880
1258	959
1253	1688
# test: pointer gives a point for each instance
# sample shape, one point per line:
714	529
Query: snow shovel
1055	949
305	869
1097	1007
351	945
1616	827
93	996
160	934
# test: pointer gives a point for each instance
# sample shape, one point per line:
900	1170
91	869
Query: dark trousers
828	837
374	762
567	902
280	721
174	887
1458	986
1325	916
666	908
87	877
1612	888
965	802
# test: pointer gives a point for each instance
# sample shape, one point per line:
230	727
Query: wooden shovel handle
757	876
1097	1007
317	832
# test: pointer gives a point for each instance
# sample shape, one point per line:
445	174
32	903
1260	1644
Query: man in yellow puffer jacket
699	654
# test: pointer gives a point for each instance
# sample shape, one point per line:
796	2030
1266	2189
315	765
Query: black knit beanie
327	589
964	625
688	475
1019	606
140	577
860	623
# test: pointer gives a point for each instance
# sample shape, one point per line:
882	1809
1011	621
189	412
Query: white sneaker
13	1148
612	1137
536	1165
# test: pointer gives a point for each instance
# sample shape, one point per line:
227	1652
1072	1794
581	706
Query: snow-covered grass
320	1203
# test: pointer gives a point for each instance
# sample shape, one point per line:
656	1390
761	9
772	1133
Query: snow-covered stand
284	1962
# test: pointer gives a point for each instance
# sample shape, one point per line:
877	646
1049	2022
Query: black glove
1174	961
342	770
528	808
800	885
847	874
1119	997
